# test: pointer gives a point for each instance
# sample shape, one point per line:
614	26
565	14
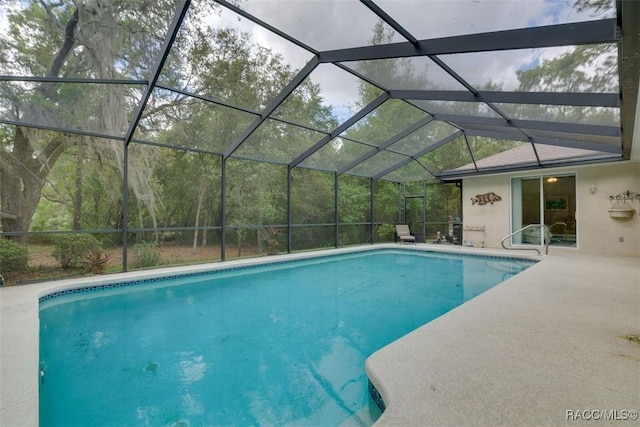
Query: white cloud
500	67
339	88
441	18
5	9
321	24
331	24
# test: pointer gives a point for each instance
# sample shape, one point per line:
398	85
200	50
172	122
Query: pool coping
19	350
221	268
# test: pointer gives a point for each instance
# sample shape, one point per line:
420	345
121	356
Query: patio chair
404	235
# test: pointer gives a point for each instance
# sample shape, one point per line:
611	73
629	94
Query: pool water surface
282	344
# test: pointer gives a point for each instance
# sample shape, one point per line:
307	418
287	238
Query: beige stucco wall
597	232
493	217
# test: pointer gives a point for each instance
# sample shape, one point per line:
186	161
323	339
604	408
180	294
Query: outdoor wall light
593	189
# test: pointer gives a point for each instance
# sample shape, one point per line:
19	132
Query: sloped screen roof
396	90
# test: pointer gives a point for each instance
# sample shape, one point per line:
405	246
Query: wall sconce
593	189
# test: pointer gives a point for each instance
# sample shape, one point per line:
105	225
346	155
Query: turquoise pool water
283	344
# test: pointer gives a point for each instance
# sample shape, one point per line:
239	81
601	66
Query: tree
91	39
354	206
588	68
56	40
227	64
121	40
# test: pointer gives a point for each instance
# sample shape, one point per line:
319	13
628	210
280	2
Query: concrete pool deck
548	341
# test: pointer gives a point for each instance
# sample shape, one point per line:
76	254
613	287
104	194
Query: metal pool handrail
546	241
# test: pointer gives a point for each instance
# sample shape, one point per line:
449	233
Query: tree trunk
194	248
77	200
203	243
205	222
10	200
24	170
240	235
23	174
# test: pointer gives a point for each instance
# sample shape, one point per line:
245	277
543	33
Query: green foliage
443	201
354	199
386	202
386	232
13	256
303	238
71	39
145	255
70	249
49	216
256	193
312	197
97	261
567	71
81	177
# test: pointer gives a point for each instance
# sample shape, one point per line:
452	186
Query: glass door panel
548	200
531	211
560	209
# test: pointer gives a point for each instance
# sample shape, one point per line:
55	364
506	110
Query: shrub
145	255
97	261
386	232
13	256
70	249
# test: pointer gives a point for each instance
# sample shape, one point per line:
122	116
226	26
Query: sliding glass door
549	200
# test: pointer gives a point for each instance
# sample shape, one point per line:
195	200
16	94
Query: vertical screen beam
223	209
289	228
125	207
372	189
399	205
181	11
336	216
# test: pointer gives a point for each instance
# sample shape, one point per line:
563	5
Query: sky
334	24
3	19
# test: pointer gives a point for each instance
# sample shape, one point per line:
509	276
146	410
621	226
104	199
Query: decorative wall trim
483	199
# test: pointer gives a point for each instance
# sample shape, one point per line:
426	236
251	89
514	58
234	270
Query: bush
145	255
71	249
97	261
13	256
386	232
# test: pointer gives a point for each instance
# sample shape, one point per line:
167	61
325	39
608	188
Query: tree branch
56	65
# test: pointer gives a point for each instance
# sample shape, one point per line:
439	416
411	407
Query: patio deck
544	348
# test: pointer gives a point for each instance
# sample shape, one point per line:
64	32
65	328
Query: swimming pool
278	344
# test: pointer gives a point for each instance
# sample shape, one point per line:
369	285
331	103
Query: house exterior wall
597	232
